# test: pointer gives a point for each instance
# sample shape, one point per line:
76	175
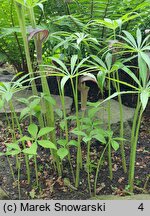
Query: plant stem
62	97
49	108
109	128
121	126
88	165
98	168
18	181
11	168
36	171
21	18
79	156
23	144
138	117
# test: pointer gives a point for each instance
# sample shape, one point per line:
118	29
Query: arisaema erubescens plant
140	49
143	92
108	68
8	91
71	72
39	37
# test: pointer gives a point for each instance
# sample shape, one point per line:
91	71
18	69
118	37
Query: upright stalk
134	140
21	18
121	126
49	108
109	128
88	165
62	97
98	168
79	154
20	131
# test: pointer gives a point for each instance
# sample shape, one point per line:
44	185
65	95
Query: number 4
141	207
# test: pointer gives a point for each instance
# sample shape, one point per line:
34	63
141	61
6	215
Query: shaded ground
53	187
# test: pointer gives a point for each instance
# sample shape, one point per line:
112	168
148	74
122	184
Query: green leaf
47	144
101	80
62	153
33	130
13	146
62	124
74	59
79	133
63	81
146	58
144	96
86	139
98	131
108	60
25	138
44	131
32	150
61	64
24	112
51	100
59	113
142	69
100	138
12	153
139	37
116	94
130	39
34	103
72	143
62	142
114	144
119	139
131	74
8	96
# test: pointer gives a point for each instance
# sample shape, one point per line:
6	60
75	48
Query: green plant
7	92
76	69
110	68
